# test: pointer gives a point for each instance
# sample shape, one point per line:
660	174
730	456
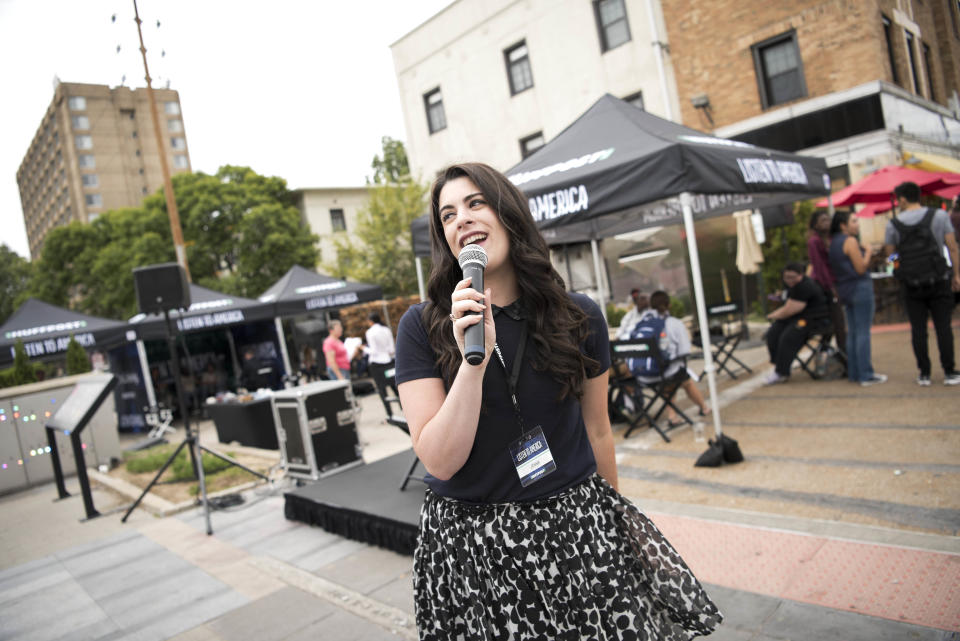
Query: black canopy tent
302	291
45	330
618	168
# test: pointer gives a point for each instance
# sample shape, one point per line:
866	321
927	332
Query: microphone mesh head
472	254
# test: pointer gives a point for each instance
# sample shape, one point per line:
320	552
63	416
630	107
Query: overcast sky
302	89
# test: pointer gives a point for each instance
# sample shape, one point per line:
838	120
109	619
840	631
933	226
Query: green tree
233	243
384	251
14	279
785	244
23	370
77	360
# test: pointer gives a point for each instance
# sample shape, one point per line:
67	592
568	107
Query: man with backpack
915	239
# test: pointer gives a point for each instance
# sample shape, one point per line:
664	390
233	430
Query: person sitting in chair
676	350
803	314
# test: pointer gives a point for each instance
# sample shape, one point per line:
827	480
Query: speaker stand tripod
190	440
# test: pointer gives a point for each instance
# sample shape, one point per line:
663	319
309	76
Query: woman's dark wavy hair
840	217
556	324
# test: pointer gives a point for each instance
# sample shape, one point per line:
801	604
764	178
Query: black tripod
190	439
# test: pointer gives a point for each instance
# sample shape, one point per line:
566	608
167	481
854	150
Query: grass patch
152	459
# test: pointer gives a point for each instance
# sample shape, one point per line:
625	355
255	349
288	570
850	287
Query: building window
178	143
134	134
779	72
436	118
83	142
128	113
888	35
913	63
635	99
612	24
171	108
337	220
180	161
89	180
94	200
518	68
80	122
927	68
86	161
530	144
175	125
76	103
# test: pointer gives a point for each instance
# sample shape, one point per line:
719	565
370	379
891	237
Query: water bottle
893	262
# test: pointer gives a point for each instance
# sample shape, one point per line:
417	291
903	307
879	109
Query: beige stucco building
492	80
96	150
331	213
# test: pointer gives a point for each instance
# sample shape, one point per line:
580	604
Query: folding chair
645	394
727	329
820	351
386	382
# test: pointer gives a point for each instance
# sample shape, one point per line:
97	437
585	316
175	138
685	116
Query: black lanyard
513	377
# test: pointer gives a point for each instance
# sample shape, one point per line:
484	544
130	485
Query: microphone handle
474	349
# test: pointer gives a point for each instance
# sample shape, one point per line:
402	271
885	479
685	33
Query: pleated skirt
585	564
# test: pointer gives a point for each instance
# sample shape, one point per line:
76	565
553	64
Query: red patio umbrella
878	186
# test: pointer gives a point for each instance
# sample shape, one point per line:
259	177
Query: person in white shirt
641	304
380	348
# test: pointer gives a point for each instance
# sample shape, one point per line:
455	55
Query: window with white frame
80	122
180	161
93	200
171	108
76	103
612	24
87	161
779	70
178	143
89	180
518	67
531	143
436	118
83	141
175	125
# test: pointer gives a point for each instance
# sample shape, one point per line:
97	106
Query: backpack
920	263
650	326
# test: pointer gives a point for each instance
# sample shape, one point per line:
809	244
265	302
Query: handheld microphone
473	260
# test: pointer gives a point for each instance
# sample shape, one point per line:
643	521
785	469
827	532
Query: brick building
96	150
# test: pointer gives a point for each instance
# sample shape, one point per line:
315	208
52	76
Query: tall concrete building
96	150
493	80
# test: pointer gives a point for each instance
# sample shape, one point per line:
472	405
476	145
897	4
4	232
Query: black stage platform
364	503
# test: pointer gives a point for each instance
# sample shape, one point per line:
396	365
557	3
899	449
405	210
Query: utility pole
174	215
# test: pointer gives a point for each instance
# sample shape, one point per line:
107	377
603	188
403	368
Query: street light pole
172	212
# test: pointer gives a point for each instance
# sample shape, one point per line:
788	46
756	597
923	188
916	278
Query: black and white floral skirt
585	564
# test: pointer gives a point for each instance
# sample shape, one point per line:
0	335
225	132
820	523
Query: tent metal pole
145	371
233	357
283	345
686	201
423	292
598	275
830	209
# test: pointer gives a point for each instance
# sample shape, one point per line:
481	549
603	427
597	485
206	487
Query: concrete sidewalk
783	557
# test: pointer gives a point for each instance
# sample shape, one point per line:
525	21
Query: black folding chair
386	384
727	328
644	394
820	351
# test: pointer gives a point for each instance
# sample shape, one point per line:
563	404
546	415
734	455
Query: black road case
316	429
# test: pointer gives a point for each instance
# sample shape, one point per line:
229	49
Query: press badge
531	456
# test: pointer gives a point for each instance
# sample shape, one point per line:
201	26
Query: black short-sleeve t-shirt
488	476
809	292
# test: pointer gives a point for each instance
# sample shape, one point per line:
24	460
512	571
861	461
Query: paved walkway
777	570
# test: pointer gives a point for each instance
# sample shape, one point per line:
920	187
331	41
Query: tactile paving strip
903	584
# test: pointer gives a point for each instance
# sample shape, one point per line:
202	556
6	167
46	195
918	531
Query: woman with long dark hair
818	255
522	532
851	265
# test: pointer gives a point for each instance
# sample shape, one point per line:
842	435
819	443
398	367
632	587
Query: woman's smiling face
467	218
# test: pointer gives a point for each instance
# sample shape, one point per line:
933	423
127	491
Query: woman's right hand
464	300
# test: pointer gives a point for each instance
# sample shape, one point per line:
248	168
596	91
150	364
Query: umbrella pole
599	277
283	345
686	201
423	293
